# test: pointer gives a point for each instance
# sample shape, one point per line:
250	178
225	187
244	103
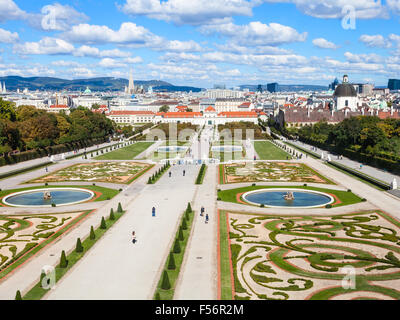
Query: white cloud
129	33
363	58
375	41
63	63
333	9
190	12
109	63
324	44
394	5
256	33
181	46
47	45
60	17
87	51
10	11
133	60
8	37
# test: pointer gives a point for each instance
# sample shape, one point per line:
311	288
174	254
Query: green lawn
178	257
127	153
33	249
37	292
225	269
345	197
267	151
106	193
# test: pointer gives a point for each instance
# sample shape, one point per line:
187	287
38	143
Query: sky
203	42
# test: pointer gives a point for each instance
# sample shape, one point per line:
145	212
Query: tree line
28	128
365	134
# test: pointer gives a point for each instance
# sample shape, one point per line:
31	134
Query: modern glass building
394	84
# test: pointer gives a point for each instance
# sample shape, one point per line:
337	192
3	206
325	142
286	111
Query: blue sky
203	42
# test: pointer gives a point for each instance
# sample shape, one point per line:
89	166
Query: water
226	149
35	198
171	149
276	199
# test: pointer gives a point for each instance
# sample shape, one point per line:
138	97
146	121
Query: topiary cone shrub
103	224
63	260
171	262
92	234
112	216
79	247
18	295
189	208
119	210
184	224
165	283
177	247
180	234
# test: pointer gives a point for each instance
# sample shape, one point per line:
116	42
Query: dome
345	90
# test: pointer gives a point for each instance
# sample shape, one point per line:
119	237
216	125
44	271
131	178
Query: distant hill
288	87
95	84
177	88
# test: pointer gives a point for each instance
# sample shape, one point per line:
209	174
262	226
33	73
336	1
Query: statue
46	195
394	184
289	196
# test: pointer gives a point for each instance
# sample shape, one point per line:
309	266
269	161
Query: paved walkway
24	277
117	269
200	262
355	165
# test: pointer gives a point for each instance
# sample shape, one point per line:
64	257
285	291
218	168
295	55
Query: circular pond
227	149
46	197
278	198
171	149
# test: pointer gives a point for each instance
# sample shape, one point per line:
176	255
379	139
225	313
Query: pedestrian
153	212
133	237
206	217
202	211
184	172
170	173
47	170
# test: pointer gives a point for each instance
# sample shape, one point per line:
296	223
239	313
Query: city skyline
232	41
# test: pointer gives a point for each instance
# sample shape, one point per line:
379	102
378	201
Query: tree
63	260
103	224
177	247
165	283
171	262
112	216
180	234
119	210
18	295
189	208
7	110
164	108
92	234
79	247
184	224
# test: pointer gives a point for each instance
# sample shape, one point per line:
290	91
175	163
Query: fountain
42	198
287	198
46	195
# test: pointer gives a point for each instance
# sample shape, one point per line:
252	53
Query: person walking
153	212
202	211
207	218
184	172
47	170
133	237
170	173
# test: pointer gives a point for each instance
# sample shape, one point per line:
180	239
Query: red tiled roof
129	113
182	114
210	109
238	114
